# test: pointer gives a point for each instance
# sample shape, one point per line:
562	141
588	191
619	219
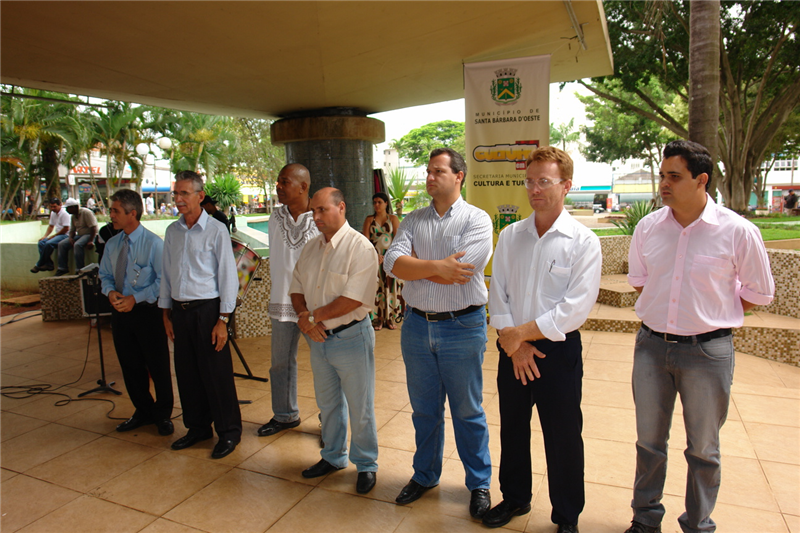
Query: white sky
563	107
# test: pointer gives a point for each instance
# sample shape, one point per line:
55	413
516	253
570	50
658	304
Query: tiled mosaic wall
61	298
785	266
615	254
252	317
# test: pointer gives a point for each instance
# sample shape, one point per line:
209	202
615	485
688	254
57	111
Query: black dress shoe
638	527
411	492
273	426
479	503
503	513
366	480
60	272
190	439
320	469
165	427
224	447
132	423
567	528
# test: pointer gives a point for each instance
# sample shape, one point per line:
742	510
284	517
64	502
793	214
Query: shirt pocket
334	286
141	276
555	282
451	244
709	274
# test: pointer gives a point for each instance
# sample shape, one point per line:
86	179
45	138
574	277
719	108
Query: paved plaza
65	469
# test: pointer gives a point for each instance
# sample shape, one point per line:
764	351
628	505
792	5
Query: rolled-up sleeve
477	241
753	269
584	285
499	305
362	276
637	270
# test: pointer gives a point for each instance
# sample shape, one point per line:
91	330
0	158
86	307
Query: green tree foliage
225	189
257	160
760	81
398	187
115	131
617	134
633	215
564	134
35	135
417	144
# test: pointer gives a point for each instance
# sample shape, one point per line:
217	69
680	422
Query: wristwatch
311	318
224	318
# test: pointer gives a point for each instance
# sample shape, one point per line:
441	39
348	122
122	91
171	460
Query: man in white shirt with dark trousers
545	281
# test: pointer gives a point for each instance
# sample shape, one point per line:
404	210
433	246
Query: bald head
298	172
329	211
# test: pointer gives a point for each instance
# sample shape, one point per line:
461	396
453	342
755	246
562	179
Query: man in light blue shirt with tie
441	251
130	275
198	294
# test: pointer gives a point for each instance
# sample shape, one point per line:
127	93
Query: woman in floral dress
380	228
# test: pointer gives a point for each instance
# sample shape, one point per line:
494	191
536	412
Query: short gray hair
194	177
129	200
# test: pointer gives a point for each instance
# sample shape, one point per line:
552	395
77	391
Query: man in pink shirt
698	267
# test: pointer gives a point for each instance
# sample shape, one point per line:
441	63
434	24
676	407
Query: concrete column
336	147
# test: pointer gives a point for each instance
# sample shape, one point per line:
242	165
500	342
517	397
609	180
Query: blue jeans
46	250
80	252
444	359
283	370
702	374
344	382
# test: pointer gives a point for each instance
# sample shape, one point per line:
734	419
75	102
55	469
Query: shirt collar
452	210
709	214
203	220
137	233
561	224
338	236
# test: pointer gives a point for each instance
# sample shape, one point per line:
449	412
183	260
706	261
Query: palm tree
564	134
115	131
398	186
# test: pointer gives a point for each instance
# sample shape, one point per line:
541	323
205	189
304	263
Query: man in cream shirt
332	291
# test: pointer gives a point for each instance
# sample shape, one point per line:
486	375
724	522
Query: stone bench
615	291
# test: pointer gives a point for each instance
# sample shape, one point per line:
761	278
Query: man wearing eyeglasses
198	294
441	251
545	280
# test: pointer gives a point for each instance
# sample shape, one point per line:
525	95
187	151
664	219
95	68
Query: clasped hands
314	330
522	354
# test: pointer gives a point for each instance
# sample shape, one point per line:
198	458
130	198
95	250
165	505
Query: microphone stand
91	273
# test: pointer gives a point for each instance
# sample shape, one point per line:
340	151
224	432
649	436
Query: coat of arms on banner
507	214
506	89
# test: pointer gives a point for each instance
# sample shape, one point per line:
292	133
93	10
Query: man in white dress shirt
332	290
545	280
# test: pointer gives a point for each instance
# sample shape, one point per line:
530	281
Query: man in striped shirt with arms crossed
441	251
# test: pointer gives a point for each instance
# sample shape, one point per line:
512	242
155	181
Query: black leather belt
191	304
146	304
334	331
689	339
436	317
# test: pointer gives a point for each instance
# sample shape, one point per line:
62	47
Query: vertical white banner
507	116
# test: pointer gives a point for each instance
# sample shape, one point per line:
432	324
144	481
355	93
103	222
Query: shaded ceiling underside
269	59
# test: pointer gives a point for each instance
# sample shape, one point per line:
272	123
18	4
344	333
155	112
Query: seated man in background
82	231
59	225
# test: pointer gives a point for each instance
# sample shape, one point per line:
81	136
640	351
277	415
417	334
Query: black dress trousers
205	376
557	396
141	344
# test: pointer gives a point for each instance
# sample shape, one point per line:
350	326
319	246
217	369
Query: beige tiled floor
65	469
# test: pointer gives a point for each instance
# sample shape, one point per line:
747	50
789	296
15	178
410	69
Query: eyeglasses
543	183
183	194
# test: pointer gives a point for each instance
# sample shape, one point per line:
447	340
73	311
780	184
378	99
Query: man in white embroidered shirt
291	226
545	280
698	267
441	251
332	290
